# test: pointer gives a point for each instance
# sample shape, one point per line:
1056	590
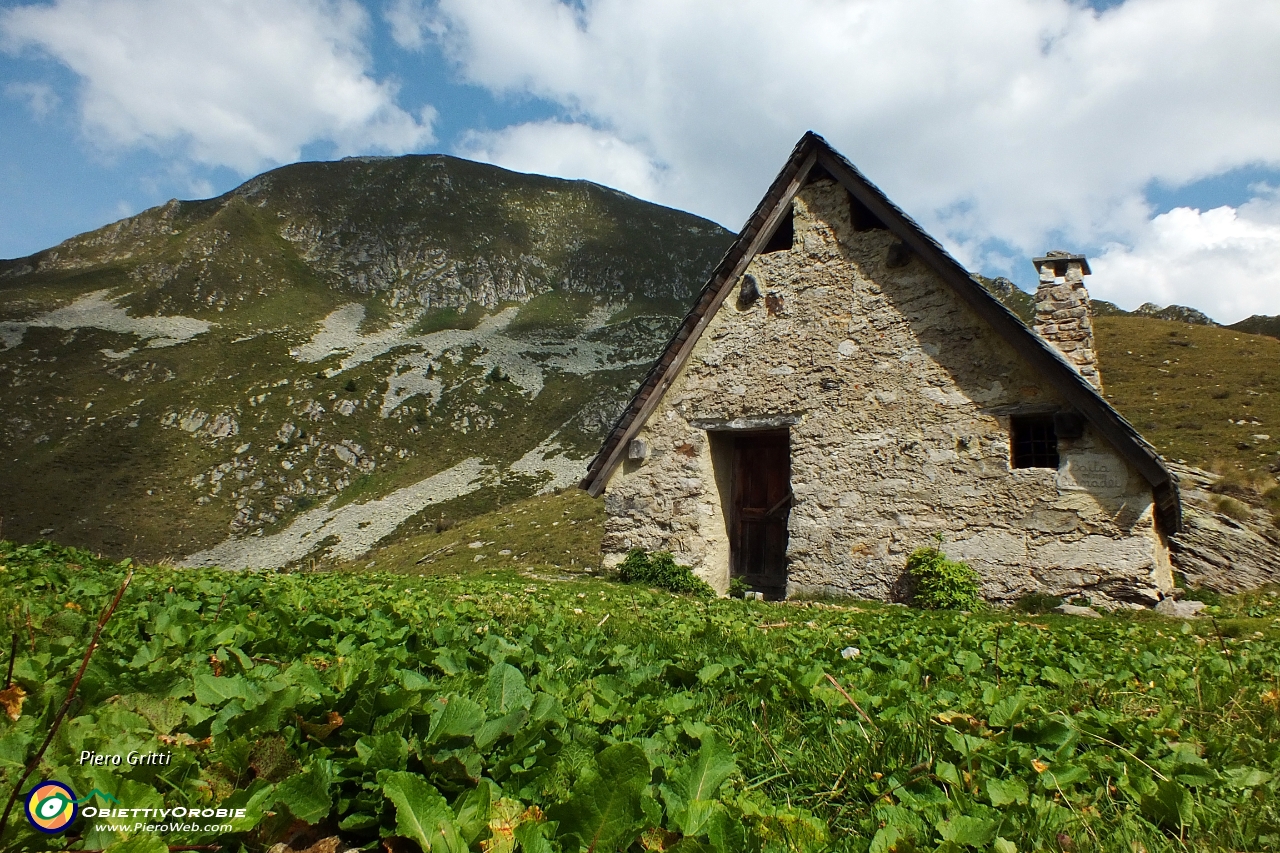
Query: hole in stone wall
862	217
899	256
818	173
783	237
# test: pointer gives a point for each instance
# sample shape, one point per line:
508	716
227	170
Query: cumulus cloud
1222	261
1003	125
567	150
235	83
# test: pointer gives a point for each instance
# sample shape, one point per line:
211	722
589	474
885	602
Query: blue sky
1144	133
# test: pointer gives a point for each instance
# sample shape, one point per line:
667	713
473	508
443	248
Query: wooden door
761	505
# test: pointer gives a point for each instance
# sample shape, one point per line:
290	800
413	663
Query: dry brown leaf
11	701
180	739
320	731
332	844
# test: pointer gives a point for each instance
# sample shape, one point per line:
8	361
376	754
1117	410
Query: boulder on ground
1180	609
1077	610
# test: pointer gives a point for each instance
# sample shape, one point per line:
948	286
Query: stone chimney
1063	317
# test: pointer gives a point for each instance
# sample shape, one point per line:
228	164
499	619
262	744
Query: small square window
1034	442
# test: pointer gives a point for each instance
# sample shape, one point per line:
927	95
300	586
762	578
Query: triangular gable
812	152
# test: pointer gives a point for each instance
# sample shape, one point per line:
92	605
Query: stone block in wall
1130	556
1051	521
990	550
1096	473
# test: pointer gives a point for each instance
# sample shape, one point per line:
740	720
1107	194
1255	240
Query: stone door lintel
743	424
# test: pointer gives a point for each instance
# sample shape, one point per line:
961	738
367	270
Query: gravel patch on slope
550	458
524	362
97	310
348	531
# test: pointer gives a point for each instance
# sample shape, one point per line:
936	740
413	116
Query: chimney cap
1060	257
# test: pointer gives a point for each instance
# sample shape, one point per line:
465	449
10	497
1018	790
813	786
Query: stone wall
901	398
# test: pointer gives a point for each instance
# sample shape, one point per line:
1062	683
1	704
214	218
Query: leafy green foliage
938	583
605	810
662	571
422	813
512	715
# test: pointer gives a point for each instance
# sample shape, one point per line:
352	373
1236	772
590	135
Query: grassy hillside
1205	394
556	533
336	355
499	708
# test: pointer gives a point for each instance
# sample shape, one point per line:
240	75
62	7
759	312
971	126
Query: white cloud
410	23
1222	261
566	150
40	97
1023	121
234	83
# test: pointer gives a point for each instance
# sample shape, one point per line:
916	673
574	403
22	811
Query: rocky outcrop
1180	313
1216	551
417	231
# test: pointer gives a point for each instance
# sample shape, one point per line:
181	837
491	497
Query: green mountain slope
328	354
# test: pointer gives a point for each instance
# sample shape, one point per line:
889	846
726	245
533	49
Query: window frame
1033	442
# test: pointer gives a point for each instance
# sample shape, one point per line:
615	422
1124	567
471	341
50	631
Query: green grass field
477	708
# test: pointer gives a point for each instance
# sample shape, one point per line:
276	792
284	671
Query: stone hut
843	392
